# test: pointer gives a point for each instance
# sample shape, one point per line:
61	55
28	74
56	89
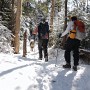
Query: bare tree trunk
51	38
52	15
25	44
13	22
87	6
17	27
65	23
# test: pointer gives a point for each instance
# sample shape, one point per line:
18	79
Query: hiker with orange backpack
76	34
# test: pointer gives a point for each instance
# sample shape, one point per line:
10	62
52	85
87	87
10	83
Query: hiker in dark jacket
43	37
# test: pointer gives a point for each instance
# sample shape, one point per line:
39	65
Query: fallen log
85	55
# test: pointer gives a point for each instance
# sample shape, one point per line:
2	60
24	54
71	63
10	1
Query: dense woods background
18	16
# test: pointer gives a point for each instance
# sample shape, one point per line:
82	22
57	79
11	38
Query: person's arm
35	31
67	29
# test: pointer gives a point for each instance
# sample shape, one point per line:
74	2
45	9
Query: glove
59	35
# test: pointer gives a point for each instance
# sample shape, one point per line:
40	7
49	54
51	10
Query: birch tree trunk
51	38
52	15
17	26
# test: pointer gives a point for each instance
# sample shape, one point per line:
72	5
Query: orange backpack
80	25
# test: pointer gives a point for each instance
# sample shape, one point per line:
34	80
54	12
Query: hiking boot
40	58
46	59
67	66
75	68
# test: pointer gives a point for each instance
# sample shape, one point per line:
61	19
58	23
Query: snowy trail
18	73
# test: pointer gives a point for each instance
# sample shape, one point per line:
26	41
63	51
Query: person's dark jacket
43	30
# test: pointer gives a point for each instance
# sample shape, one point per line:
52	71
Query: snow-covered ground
29	73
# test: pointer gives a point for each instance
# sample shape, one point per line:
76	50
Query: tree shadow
26	59
72	80
63	81
12	69
82	81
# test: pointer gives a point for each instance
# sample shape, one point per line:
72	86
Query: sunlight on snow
79	74
69	72
77	78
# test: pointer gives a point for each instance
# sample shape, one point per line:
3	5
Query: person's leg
67	56
40	48
45	43
76	54
76	59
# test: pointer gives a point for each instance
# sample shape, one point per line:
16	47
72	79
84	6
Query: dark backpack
43	30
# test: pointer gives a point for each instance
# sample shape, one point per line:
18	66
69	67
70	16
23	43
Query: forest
23	66
20	16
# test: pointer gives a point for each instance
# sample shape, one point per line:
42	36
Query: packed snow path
19	73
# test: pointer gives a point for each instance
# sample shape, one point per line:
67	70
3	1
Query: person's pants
72	45
42	45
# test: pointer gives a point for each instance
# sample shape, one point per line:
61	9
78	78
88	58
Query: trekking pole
57	52
34	49
34	45
56	57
